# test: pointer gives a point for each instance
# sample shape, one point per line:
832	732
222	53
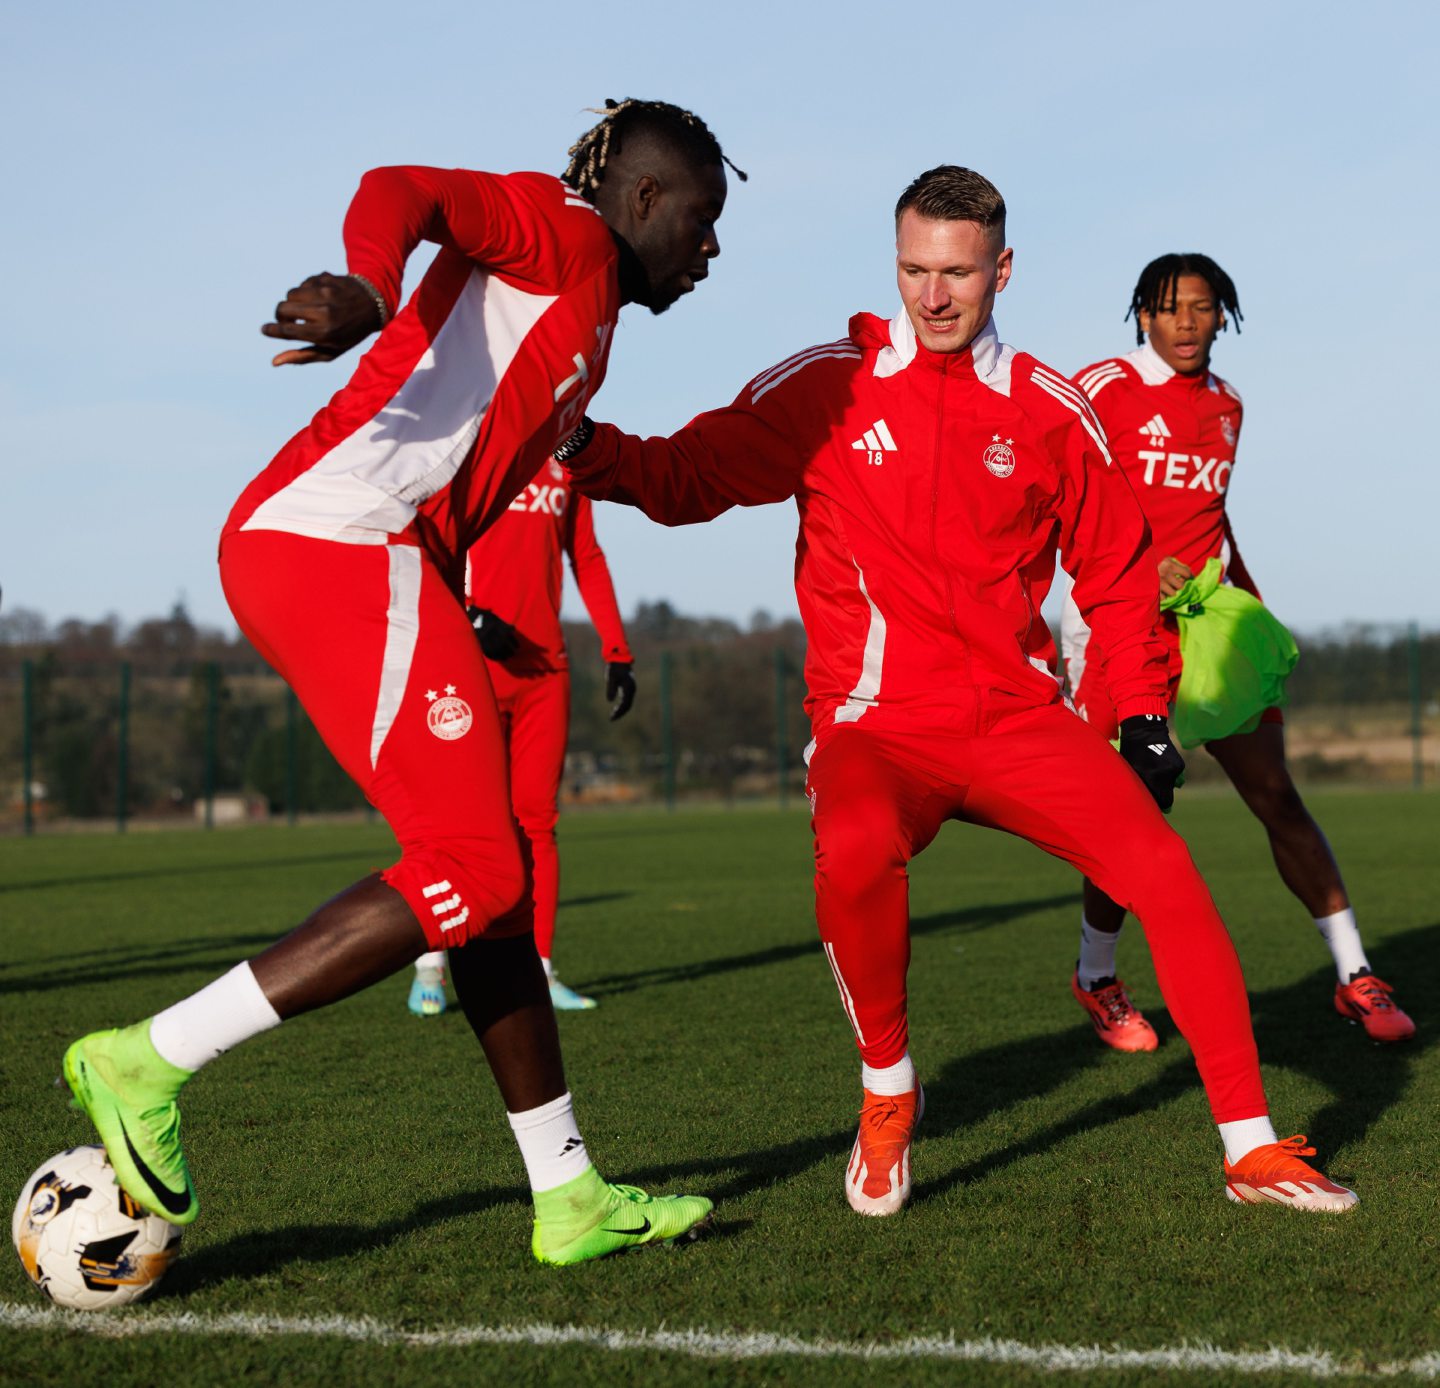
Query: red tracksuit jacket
471	385
1175	438
933	493
514	570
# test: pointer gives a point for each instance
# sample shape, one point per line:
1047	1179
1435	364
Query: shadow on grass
84	879
1296	1028
964	922
594	899
1295	1025
267	1252
60	971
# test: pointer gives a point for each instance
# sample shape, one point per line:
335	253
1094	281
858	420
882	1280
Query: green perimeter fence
218	742
90	741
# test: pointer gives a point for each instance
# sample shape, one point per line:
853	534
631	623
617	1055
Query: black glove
497	637
1145	744
619	687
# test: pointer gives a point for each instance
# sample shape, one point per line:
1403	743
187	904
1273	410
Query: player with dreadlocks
344	564
1173	426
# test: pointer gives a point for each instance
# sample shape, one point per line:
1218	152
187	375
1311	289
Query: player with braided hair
639	120
344	563
1173	426
1158	290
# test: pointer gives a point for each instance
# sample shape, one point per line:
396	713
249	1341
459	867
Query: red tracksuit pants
535	723
380	653
880	793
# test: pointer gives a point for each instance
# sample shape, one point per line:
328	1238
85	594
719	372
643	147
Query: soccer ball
84	1242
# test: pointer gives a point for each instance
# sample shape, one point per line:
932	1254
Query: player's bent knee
1160	870
459	889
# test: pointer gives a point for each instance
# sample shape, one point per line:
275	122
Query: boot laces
1375	991
1115	1001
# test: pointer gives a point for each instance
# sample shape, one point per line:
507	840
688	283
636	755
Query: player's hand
333	312
1145	744
498	639
1173	576
620	687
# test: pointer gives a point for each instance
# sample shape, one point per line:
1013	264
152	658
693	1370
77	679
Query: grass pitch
356	1171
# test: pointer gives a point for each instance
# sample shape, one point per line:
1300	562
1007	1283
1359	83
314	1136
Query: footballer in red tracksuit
1173	426
343	562
1174	436
377	501
934	488
513	589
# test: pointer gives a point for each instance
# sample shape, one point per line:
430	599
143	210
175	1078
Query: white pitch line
705	1344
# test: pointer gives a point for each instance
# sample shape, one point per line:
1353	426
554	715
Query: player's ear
1004	265
1143	319
644	194
1223	322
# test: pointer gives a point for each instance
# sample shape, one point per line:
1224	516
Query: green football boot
129	1090
588	1218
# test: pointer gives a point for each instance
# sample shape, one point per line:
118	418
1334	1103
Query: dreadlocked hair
1159	283
675	126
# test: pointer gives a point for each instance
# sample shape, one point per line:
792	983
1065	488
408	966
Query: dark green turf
357	1162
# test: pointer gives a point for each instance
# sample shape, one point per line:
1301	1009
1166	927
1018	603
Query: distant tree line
730	685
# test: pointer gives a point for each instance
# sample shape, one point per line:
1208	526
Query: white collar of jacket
1155	371
989	356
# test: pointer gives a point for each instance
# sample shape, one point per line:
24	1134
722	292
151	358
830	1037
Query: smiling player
936	471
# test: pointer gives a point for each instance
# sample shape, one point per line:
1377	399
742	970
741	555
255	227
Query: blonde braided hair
592	151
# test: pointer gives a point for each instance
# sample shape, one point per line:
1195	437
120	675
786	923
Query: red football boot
877	1179
1274	1174
1366	1000
1117	1023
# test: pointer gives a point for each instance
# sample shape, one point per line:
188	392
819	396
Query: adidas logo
1157	429
876	441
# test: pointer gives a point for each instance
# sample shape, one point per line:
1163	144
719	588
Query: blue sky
171	169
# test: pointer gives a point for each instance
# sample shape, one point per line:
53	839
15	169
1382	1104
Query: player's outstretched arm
745	454
393	210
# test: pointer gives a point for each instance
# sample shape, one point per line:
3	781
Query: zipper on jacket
935	495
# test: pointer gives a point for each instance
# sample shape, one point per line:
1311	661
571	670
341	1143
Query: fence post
212	717
667	731
1416	727
122	778
782	741
292	739
28	741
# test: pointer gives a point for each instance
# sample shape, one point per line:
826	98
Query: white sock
549	970
1097	954
1245	1135
550	1143
1343	936
431	964
206	1024
893	1079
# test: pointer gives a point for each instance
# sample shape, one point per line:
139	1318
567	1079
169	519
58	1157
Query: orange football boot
1117	1023
877	1180
1274	1173
1366	1000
